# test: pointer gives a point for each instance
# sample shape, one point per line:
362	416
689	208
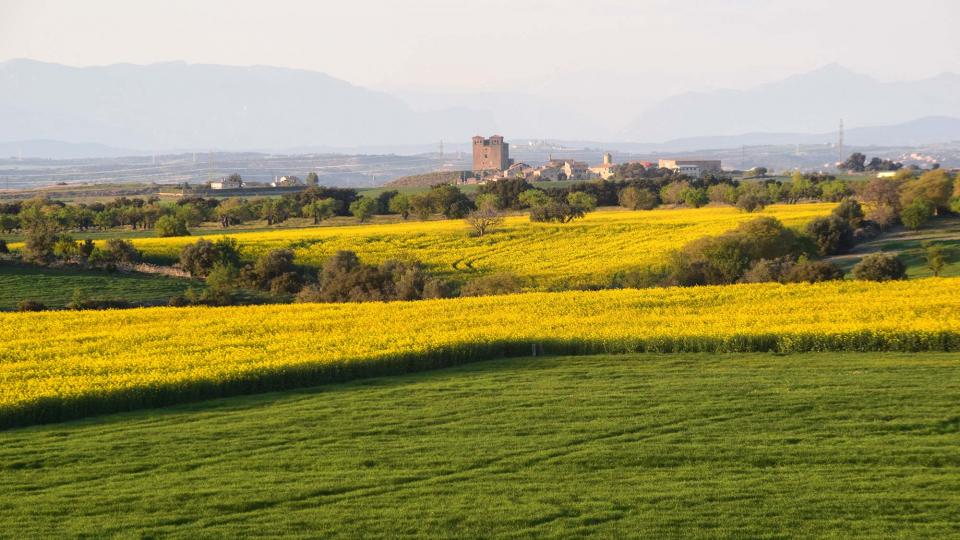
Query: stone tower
490	154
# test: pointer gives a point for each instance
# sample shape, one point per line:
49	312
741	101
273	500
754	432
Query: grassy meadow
910	247
55	287
679	446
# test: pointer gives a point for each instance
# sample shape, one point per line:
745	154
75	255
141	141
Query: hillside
593	249
426	179
813	445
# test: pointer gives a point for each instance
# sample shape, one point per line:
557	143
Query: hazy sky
585	48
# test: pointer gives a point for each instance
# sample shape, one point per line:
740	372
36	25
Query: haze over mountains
179	106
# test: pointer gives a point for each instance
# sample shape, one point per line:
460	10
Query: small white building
227	183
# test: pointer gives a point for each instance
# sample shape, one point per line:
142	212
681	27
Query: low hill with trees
427	179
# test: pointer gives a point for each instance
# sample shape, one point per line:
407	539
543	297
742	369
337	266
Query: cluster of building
491	162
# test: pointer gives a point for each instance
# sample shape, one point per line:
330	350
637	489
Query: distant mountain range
105	111
179	105
919	132
807	103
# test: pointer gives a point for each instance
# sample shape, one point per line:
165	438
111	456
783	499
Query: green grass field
55	287
682	446
909	246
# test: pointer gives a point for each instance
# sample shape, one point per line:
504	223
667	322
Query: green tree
694	197
400	204
171	226
672	193
532	197
634	198
935	256
722	194
835	190
916	214
855	163
363	208
880	267
313	179
421	205
320	209
832	235
581	202
487	201
850	211
222	278
935	187
41	236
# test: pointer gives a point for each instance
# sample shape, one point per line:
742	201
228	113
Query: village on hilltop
492	162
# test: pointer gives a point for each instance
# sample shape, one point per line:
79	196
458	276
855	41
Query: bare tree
484	219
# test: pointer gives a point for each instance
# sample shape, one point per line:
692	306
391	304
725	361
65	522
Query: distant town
492	161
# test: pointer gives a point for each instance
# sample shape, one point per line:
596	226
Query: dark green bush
491	284
30	305
880	267
832	235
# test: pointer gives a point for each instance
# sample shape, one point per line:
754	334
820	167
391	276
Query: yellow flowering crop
56	365
604	242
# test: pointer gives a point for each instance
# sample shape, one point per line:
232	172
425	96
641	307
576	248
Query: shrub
635	198
750	202
178	301
766	270
31	305
171	226
880	267
638	278
789	270
722	194
108	303
883	216
222	277
717	260
484	220
275	271
672	193
116	250
850	211
831	235
694	197
201	256
343	278
65	247
813	272
87	247
491	284
936	257
868	230
916	214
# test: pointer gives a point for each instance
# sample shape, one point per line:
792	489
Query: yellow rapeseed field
57	365
587	250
